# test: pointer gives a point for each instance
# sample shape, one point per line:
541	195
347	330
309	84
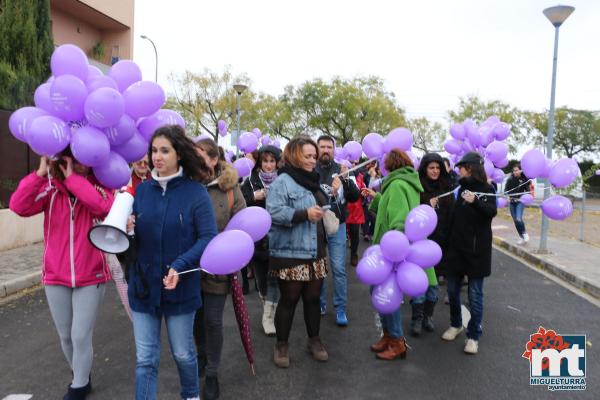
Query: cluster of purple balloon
106	119
396	265
487	139
232	249
376	146
247	143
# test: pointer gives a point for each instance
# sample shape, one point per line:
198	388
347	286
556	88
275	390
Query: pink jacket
69	257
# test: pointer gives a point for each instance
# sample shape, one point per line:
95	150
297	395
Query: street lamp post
155	57
239	88
557	15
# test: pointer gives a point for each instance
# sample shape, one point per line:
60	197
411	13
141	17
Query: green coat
400	193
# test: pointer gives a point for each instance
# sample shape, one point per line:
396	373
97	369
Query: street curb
23	282
550	267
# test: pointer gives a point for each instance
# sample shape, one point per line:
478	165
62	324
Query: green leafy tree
575	131
523	132
428	136
347	109
25	49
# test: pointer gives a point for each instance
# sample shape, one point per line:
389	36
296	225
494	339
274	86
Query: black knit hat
271	149
470	158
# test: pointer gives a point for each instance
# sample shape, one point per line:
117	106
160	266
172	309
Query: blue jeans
337	257
430	295
146	329
516	212
475	301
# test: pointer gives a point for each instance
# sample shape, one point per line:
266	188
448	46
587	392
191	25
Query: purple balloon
425	253
134	149
398	138
102	81
68	94
394	246
453	146
20	121
149	125
374	268
223	133
501	202
122	131
411	279
92	72
498	175
457	131
228	252
489	167
276	143
265	140
501	130
491	121
548	167
243	166
372	145
533	163
564	172
41	97
598	172
420	223
113	173
487	135
221	126
48	135
387	297
90	146
229	155
125	73
557	207
526	199
257	133
467	146
496	151
353	150
104	107
381	163
69	59
143	98
340	153
472	132
255	221
247	142
502	163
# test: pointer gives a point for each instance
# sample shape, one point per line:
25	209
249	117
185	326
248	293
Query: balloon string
522	184
192	270
355	167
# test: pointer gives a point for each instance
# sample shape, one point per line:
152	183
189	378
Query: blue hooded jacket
172	229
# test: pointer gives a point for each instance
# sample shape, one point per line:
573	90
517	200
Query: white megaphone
110	236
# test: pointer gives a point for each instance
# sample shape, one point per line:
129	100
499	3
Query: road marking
18	397
499	227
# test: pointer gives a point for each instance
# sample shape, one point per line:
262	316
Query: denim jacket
287	240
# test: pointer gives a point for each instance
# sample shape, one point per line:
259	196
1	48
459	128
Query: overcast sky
428	52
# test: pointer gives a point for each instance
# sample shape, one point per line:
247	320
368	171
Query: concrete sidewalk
575	262
20	268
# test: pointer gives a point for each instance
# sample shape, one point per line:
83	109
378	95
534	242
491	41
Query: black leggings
353	229
291	291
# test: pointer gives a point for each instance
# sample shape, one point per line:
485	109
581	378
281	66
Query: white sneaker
451	333
520	241
525	238
267	318
471	346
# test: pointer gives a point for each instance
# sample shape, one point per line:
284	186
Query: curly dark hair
193	165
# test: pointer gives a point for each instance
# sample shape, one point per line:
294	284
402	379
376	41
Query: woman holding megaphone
74	272
174	221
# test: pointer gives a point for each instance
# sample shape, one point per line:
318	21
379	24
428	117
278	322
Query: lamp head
239	87
558	14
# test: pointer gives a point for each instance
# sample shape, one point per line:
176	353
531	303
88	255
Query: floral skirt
304	272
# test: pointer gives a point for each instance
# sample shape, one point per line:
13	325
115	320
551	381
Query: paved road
518	300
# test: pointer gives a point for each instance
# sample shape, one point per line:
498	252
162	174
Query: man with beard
341	190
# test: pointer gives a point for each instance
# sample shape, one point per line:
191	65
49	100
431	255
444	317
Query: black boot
427	319
417	319
211	388
78	393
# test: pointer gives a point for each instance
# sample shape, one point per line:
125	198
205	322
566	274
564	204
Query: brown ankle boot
381	345
280	355
315	347
396	348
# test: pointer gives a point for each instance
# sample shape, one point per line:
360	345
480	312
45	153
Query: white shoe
520	241
471	346
525	238
268	318
451	333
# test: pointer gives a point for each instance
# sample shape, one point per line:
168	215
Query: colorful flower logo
545	339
